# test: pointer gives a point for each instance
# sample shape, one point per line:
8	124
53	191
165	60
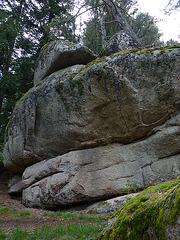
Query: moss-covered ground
153	209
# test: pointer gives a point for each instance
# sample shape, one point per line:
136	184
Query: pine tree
25	26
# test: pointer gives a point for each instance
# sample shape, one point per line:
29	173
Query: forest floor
14	215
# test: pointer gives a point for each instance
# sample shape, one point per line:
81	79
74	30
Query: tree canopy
142	24
172	5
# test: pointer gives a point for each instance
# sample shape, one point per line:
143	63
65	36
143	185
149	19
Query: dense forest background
26	25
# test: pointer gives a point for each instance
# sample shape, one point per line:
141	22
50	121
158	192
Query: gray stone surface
15	185
21	137
102	172
118	99
109	205
58	55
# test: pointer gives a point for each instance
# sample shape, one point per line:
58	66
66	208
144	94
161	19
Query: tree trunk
125	38
96	25
1	101
103	28
120	20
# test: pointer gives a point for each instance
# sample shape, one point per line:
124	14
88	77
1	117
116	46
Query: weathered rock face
109	205
27	114
86	132
152	214
102	172
58	55
118	99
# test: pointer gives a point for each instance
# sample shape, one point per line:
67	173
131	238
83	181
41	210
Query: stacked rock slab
102	172
85	133
58	55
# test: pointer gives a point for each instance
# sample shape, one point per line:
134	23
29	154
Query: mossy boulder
84	132
153	214
123	98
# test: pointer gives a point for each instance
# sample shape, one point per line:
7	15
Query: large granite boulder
58	55
24	128
122	98
152	214
102	172
86	132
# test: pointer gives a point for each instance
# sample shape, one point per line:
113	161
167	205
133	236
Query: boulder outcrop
85	132
152	214
15	185
103	172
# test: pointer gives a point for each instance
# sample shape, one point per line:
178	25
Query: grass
63	215
2	235
72	231
12	212
74	227
27	213
68	215
4	210
16	235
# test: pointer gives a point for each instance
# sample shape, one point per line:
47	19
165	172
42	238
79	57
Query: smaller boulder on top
58	55
120	41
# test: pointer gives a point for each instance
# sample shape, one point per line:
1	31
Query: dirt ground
11	209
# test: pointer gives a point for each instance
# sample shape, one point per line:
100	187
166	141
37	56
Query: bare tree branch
112	21
78	14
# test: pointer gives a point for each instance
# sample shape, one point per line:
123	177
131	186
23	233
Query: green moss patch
153	209
49	43
17	103
39	83
46	45
151	50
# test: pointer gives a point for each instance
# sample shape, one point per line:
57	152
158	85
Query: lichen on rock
152	214
120	41
120	98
